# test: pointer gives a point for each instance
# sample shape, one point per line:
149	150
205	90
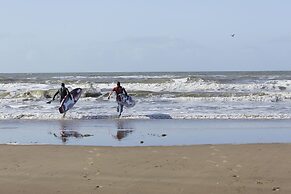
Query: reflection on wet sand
122	134
66	132
123	130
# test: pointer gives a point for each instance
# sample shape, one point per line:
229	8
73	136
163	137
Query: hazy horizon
201	71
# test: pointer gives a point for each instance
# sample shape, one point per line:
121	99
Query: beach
253	168
189	132
145	97
141	132
145	156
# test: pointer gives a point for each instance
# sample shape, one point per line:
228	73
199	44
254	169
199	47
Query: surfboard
67	103
127	101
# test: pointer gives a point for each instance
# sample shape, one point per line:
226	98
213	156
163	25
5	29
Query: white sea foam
177	96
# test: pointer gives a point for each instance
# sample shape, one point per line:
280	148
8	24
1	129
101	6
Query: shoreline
146	156
126	132
255	168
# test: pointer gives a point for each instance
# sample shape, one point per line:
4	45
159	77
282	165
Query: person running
118	91
63	92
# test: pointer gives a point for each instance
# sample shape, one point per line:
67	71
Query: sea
158	95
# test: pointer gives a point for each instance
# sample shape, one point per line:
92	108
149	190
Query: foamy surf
175	95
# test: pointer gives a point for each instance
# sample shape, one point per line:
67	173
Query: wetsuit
63	91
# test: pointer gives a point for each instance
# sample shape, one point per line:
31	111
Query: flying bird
232	35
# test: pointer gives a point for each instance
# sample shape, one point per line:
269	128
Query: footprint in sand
213	162
218	153
90	161
213	154
215	150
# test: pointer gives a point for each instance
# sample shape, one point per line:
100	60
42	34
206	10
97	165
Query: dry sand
258	168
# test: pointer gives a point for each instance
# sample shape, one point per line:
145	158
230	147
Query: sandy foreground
257	168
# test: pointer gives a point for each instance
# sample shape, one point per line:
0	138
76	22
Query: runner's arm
110	94
55	95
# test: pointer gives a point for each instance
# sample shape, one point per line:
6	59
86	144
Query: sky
144	35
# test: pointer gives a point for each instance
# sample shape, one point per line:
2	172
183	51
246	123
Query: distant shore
220	169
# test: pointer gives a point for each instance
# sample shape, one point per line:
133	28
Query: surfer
118	90
63	92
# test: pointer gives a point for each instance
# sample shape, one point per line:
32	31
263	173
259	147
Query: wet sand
126	132
254	168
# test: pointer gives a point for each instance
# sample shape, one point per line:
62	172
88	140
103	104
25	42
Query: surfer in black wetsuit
63	92
118	90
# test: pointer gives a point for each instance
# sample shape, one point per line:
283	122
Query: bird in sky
232	35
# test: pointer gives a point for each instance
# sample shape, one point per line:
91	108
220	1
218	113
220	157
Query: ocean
158	95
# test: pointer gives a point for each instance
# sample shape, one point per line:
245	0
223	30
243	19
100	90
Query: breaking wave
208	95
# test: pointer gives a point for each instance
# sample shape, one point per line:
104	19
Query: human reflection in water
66	133
122	132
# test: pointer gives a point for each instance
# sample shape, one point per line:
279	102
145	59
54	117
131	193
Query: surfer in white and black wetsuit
63	92
118	90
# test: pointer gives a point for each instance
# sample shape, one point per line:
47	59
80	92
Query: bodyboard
127	101
67	103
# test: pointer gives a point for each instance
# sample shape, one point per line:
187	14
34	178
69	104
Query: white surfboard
127	101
